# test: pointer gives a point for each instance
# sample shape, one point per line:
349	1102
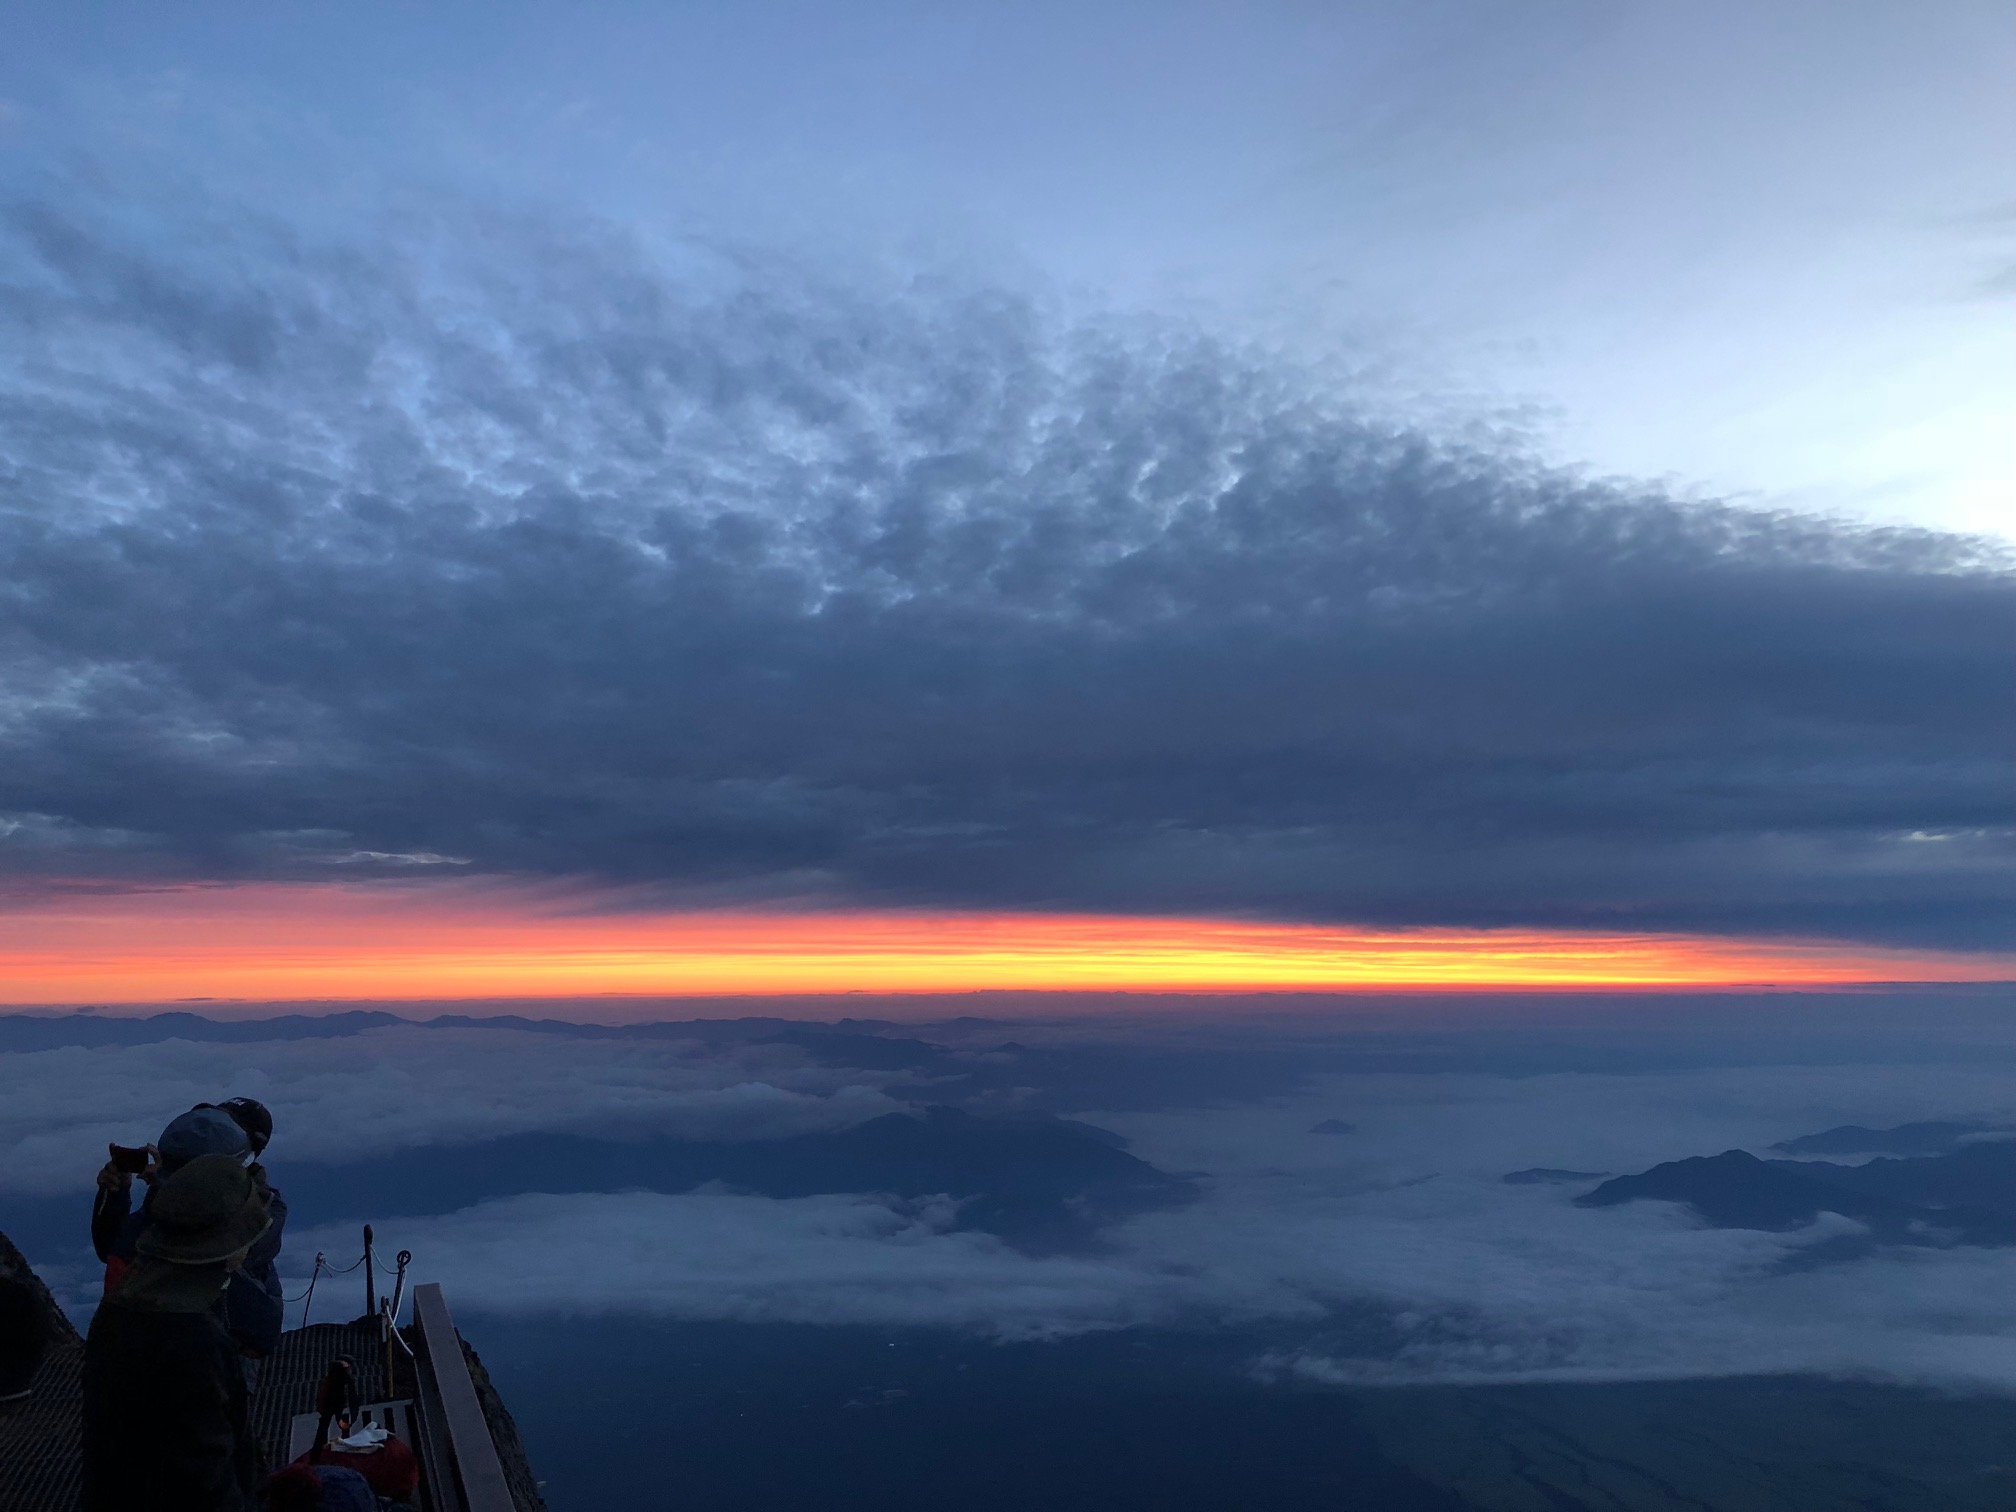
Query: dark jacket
251	1307
165	1425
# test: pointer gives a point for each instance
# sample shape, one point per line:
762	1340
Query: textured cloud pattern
489	545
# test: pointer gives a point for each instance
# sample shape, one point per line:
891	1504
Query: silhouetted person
253	1305
241	1127
165	1423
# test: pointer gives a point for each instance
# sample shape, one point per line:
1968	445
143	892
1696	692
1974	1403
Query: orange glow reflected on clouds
319	941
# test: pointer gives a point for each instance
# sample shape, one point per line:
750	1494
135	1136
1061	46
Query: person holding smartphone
240	1128
165	1419
114	1224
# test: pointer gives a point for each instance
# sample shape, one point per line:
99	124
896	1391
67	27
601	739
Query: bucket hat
209	1210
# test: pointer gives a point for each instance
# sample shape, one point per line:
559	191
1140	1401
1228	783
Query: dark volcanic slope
657	1414
1748	1444
39	1434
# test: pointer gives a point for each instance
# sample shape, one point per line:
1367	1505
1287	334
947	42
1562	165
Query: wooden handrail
477	1468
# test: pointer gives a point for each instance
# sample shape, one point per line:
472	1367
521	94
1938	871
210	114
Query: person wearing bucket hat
165	1410
210	1211
239	1127
201	1131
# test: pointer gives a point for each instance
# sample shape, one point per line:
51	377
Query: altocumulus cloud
498	546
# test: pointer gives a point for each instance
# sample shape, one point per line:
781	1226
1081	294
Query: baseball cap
201	1131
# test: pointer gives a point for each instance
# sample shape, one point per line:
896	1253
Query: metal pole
370	1276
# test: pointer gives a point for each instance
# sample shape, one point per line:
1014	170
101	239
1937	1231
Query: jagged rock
14	1266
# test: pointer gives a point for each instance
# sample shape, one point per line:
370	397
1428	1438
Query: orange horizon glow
302	941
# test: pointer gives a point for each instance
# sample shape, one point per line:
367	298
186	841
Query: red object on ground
390	1468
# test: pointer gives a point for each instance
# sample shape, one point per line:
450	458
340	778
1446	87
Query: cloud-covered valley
1393	1252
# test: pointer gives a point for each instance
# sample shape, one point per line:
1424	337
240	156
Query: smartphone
128	1159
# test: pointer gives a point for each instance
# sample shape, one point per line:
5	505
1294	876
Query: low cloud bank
1395	1252
1443	1281
727	1257
391	1089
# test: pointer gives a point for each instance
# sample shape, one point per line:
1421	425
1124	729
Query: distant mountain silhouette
1964	1198
1041	1182
35	1031
1731	1190
1974	1177
1904	1139
1539	1175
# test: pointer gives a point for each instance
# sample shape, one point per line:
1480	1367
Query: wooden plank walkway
467	1423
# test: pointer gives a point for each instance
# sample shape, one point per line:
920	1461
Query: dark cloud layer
489	546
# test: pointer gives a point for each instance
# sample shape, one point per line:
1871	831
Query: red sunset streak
354	942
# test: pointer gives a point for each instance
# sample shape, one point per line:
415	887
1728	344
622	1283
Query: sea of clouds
391	1089
1393	1253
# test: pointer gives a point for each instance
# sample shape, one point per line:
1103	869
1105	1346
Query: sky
790	498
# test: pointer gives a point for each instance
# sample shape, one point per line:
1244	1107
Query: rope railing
307	1297
313	1276
387	1309
400	1339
